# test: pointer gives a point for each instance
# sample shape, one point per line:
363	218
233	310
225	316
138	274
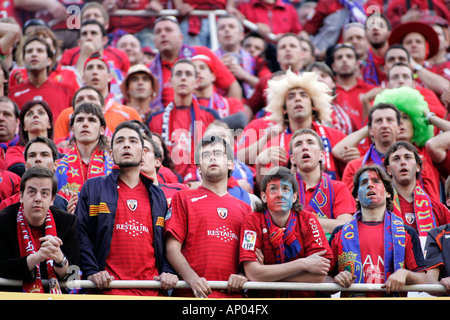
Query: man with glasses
203	226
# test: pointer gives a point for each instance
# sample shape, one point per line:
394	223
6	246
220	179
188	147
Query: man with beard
203	226
121	221
378	29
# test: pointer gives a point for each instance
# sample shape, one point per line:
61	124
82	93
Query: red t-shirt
349	101
9	184
131	24
170	189
224	77
117	59
225	106
332	134
66	74
58	95
253	132
180	136
343	199
208	226
255	235
132	254
280	17
441	212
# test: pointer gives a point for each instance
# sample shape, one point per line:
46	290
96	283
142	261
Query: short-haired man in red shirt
412	203
329	199
183	122
349	85
37	57
203	225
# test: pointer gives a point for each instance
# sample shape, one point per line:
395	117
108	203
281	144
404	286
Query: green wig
411	102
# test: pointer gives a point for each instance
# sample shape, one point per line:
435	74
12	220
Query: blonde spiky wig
319	92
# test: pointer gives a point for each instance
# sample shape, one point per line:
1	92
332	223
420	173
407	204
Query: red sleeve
176	219
322	10
235	104
9	184
258	99
226	78
14	155
343	199
67	57
349	172
441	212
251	238
314	238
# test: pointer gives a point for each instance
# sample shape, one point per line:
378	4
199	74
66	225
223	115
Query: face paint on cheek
371	190
279	195
288	196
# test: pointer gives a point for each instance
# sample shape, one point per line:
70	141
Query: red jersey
442	69
58	95
208	226
253	132
225	106
371	243
428	175
165	175
66	74
281	17
117	59
330	135
343	199
441	212
180	128
170	189
132	255
349	101
255	235
130	24
162	70
9	184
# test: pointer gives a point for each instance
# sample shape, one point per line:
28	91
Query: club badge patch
410	217
132	204
222	212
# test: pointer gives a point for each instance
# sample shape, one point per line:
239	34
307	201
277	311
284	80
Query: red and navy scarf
156	69
69	171
283	239
423	211
349	255
322	200
28	247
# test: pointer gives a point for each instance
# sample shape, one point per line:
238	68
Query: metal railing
250	285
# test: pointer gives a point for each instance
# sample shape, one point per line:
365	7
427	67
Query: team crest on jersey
409	217
132	204
222	212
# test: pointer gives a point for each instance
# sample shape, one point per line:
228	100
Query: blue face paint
280	195
371	191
